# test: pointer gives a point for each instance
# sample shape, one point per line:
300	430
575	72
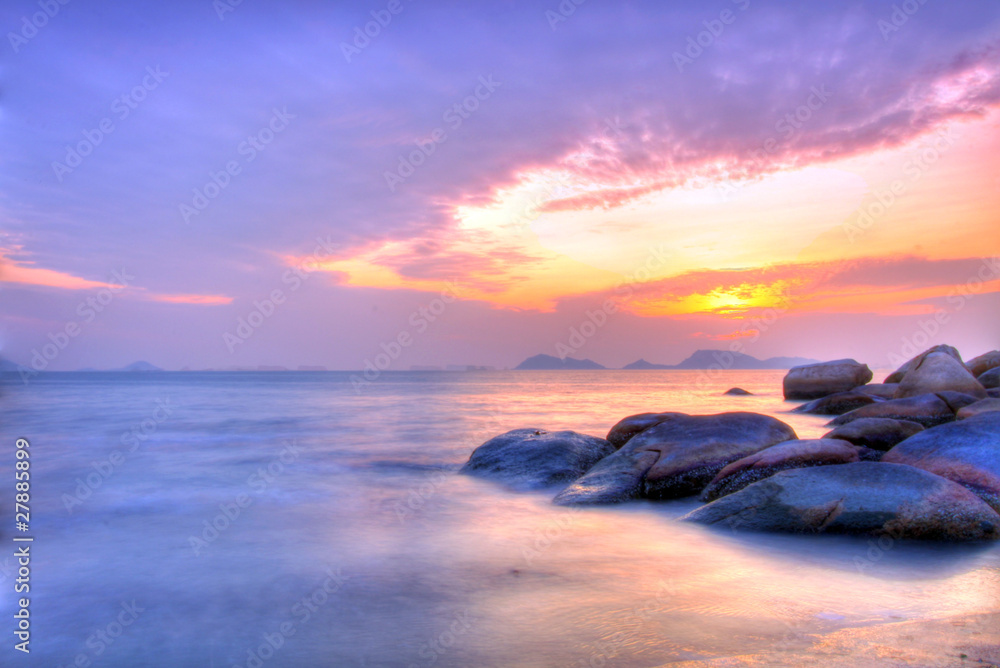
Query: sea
298	519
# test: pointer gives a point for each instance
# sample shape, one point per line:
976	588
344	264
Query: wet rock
990	405
897	375
879	390
836	404
928	410
813	381
990	379
676	457
967	452
738	392
956	400
535	458
870	455
939	372
635	424
864	498
979	365
876	433
788	455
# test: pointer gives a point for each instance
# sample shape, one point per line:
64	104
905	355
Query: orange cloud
887	286
26	274
17	273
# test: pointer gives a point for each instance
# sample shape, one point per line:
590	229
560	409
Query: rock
676	457
635	424
990	379
977	366
870	455
927	409
813	381
993	393
836	404
985	406
897	375
534	458
787	455
956	400
876	433
939	372
738	392
967	452
864	498
880	390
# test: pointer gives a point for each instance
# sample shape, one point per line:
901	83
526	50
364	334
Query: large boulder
928	410
898	375
879	390
787	455
534	458
979	365
876	433
836	404
967	451
676	457
865	498
990	379
634	424
939	372
812	381
990	405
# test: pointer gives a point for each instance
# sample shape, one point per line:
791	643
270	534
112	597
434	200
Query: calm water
355	544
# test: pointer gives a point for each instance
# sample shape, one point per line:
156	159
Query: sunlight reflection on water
433	569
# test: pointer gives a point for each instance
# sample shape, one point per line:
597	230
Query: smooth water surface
344	537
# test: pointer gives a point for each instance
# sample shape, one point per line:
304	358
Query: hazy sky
469	182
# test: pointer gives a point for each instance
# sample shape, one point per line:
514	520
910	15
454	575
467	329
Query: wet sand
971	641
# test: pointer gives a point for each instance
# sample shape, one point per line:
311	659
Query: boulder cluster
916	456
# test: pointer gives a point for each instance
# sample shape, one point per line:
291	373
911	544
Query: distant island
707	359
700	359
550	363
139	366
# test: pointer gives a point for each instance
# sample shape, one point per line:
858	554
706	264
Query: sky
406	182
